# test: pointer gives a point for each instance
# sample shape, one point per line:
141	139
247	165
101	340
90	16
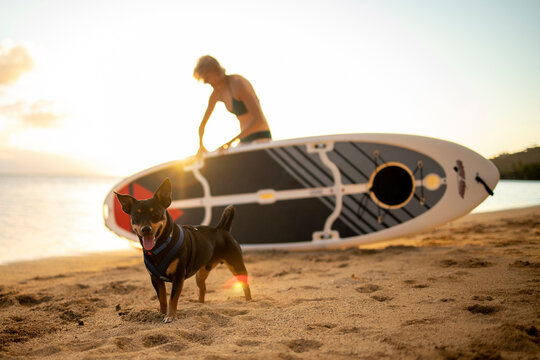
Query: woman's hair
205	65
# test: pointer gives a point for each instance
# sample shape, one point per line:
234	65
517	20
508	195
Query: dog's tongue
148	242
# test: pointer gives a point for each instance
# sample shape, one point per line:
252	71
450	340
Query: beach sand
469	290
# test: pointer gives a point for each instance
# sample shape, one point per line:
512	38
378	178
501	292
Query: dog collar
160	269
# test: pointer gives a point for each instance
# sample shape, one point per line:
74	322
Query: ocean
48	216
511	194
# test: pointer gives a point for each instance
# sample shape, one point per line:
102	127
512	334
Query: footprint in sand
368	288
18	329
302	345
32	300
176	347
154	340
422	321
483	309
213	318
141	316
476	263
125	343
524	264
444	300
447	263
323	326
76	309
70	316
6	300
234	312
381	298
46	278
219	317
470	263
288	272
198	337
349	330
414	285
247	342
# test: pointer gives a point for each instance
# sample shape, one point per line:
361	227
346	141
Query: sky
106	86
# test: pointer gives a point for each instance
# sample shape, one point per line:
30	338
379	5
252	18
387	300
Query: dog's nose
146	230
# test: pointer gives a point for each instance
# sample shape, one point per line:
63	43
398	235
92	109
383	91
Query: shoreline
467	289
375	245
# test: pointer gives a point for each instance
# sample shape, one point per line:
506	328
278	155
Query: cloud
37	114
14	62
40	114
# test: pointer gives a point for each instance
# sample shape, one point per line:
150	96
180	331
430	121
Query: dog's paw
168	319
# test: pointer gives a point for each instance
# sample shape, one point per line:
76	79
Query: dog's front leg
161	292
177	285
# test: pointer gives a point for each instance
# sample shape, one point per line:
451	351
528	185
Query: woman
239	98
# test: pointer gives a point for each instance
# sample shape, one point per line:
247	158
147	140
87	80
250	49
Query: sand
469	290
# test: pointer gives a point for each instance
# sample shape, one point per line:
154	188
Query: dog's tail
227	218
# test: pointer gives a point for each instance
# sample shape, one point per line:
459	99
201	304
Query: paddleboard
324	192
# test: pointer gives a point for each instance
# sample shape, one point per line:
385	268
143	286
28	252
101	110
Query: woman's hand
201	152
227	145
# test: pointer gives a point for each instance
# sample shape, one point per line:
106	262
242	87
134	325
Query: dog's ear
164	193
126	201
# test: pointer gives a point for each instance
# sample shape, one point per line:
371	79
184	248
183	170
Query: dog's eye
156	216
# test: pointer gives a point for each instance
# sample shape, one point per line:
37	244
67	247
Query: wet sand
469	290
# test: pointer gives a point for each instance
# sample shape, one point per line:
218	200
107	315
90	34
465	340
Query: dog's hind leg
235	263
201	277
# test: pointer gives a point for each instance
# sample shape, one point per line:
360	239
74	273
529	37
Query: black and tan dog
173	253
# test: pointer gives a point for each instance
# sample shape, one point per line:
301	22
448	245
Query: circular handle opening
392	185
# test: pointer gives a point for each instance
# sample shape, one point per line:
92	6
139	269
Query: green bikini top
238	106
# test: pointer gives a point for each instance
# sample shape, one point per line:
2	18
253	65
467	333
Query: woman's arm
209	109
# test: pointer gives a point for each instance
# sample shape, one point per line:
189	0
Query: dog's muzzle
148	238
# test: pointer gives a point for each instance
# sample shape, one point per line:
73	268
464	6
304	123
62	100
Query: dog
173	253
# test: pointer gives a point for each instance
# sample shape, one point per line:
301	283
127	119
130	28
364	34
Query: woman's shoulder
237	79
239	82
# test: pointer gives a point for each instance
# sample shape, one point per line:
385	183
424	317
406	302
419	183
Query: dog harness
173	246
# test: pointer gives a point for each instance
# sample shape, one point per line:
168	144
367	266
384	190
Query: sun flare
236	283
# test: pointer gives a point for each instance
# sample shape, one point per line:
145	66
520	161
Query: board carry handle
207	196
322	150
